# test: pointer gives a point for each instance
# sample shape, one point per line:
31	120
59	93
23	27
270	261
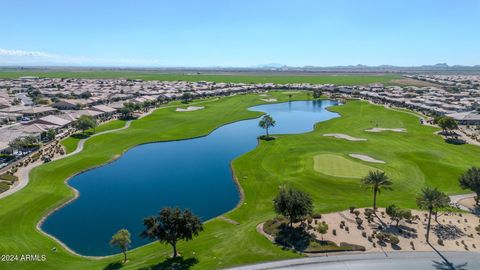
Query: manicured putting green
338	166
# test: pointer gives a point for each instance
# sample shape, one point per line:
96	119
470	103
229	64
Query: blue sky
239	33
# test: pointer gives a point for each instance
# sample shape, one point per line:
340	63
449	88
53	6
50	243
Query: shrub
369	239
352	208
317	215
346	228
381	236
334	232
4	187
356	212
440	242
364	234
359	222
36	156
9	177
394	240
352	247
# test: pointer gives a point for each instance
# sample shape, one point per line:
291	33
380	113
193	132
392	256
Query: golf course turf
338	166
340	79
414	159
70	143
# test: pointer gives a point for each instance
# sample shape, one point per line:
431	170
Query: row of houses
59	122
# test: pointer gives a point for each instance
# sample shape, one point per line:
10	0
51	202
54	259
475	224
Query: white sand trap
290	92
344	136
366	158
263	95
190	108
269	99
386	129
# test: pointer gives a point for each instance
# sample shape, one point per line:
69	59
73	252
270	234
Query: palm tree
376	181
266	122
430	199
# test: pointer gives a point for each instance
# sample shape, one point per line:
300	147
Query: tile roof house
466	118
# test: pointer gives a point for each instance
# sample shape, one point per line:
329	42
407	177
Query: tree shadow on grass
266	138
296	238
178	263
81	135
113	266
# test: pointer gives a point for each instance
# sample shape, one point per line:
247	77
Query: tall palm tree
266	122
376	181
430	199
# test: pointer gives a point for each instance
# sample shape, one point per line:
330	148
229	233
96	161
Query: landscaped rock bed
359	229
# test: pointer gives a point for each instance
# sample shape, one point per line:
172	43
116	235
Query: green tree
186	97
17	144
48	135
430	199
376	181
397	214
317	93
471	180
172	225
293	204
86	94
85	122
447	123
126	113
266	123
24	144
122	240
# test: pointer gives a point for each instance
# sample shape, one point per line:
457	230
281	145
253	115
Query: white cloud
21	57
20	53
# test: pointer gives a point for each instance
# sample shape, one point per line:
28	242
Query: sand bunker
263	95
366	158
386	129
344	136
290	92
269	99
190	108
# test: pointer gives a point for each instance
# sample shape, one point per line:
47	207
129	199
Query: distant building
466	118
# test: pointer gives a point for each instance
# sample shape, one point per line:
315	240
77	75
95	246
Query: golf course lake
193	174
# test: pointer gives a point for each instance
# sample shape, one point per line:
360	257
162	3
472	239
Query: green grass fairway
338	166
415	159
233	78
70	143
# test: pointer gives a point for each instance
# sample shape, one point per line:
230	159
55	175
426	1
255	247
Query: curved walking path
455	200
392	261
81	143
23	174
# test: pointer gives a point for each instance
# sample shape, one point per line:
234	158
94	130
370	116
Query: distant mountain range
276	68
380	68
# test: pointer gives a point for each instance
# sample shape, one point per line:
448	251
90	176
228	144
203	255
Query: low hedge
4	187
8	177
